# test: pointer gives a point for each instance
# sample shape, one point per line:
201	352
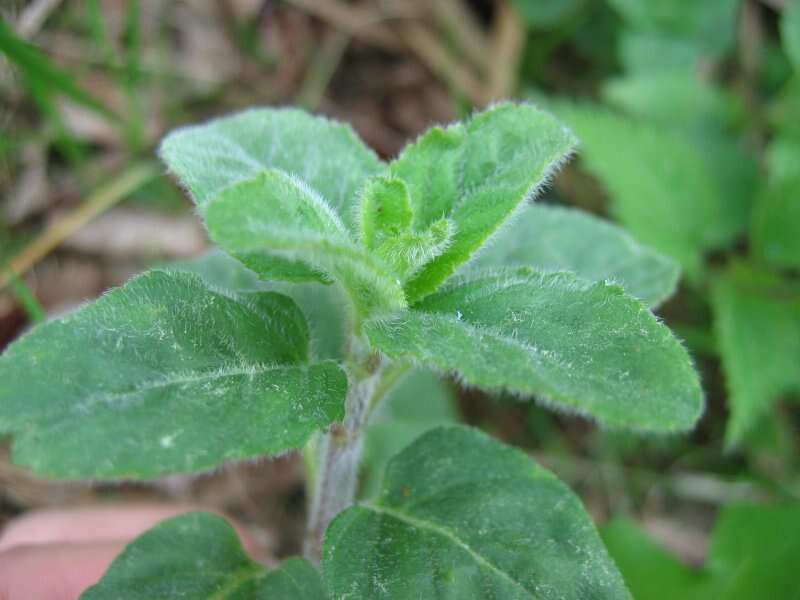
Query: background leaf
584	347
552	238
198	555
165	375
477	174
751	546
776	218
790	32
327	155
662	185
460	515
757	323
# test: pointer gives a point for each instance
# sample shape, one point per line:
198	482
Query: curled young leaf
275	215
476	174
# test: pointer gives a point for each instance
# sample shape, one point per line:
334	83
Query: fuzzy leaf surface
274	214
552	238
476	174
165	375
461	515
198	555
325	154
584	347
757	322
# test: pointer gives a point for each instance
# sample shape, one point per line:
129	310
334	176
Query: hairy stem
339	457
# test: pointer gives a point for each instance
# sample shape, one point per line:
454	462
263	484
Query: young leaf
165	375
585	347
325	154
757	321
420	402
386	228
385	211
274	214
476	174
551	238
198	555
461	515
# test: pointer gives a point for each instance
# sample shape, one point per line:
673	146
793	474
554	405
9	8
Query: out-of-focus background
689	117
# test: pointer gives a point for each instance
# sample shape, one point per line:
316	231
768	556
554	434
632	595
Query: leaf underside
165	375
463	516
584	347
327	155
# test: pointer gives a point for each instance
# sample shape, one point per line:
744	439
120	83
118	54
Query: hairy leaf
274	214
198	555
461	515
325	154
420	402
165	375
386	229
476	174
385	211
551	238
324	306
585	347
757	322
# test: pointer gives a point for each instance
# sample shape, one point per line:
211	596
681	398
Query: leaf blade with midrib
165	375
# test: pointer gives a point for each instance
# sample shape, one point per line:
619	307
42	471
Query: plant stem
339	456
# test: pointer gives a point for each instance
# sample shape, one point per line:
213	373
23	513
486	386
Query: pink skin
57	554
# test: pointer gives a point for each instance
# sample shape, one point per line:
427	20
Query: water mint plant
337	276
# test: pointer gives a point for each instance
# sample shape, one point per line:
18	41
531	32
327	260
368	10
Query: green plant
673	148
351	272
